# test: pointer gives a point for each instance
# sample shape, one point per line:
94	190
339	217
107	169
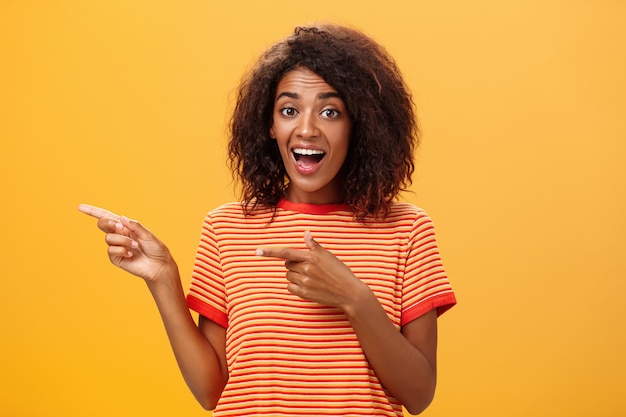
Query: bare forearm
196	357
135	249
405	371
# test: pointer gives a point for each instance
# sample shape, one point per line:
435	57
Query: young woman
317	294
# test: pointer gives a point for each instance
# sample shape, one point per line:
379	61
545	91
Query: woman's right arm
199	350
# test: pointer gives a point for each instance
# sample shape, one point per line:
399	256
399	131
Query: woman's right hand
132	247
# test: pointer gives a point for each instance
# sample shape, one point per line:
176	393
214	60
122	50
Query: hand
316	274
132	247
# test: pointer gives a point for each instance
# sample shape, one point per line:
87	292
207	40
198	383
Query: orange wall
123	104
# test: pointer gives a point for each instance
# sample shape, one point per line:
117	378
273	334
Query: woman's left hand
316	274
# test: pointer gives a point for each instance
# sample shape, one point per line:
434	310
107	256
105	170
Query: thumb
310	242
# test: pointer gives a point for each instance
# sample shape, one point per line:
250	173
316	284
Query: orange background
123	104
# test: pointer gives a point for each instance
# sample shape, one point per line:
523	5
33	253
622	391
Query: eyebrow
296	96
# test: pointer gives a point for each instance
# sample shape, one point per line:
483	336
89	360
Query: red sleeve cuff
207	311
442	303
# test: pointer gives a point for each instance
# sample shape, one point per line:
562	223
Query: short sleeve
426	285
207	295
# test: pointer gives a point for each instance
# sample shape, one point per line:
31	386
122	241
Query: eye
288	111
330	113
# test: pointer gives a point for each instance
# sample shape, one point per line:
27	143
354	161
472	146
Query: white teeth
301	151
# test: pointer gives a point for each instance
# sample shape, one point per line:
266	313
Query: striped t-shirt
292	357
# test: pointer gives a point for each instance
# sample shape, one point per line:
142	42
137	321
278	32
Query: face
312	129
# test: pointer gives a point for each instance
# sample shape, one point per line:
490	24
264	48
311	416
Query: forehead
301	80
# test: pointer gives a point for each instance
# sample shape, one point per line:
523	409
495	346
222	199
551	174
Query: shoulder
407	211
411	218
234	212
232	208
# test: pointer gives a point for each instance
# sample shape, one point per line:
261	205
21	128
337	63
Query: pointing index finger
97	212
283	253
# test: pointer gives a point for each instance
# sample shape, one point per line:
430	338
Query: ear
272	133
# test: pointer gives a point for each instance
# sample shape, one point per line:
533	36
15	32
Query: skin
308	114
199	350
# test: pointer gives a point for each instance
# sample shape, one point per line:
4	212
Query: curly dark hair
384	136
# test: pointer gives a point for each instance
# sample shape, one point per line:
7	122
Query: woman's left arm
405	362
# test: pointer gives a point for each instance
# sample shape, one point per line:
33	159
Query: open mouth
308	157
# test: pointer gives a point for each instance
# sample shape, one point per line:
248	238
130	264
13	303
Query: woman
318	293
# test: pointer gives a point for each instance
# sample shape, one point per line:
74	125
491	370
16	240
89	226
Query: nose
307	125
